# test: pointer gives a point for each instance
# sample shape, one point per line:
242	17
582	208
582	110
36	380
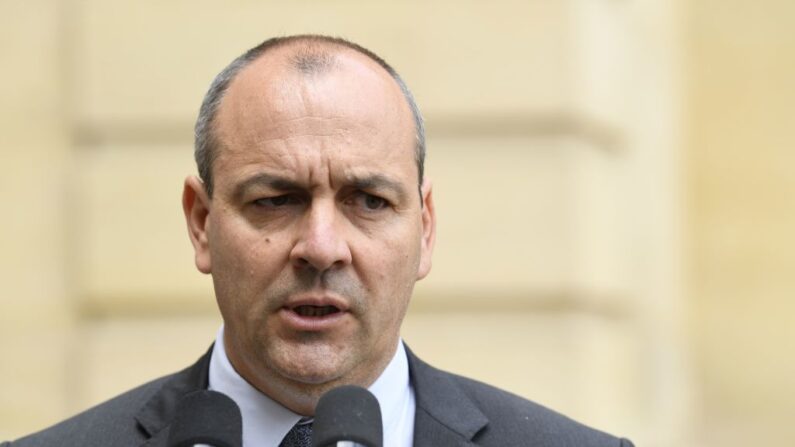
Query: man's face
315	234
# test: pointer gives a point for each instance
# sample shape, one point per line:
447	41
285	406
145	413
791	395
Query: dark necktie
299	436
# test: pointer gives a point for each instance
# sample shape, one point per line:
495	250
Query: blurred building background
613	181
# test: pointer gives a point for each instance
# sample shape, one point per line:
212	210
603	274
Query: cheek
386	259
245	264
241	247
391	269
404	252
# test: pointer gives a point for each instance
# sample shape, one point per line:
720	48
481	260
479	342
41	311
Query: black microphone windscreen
347	413
206	417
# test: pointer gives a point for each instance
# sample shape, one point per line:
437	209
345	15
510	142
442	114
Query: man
314	218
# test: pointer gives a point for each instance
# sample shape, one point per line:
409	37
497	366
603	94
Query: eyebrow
264	180
373	182
376	182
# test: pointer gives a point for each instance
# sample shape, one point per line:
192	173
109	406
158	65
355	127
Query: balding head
308	55
320	223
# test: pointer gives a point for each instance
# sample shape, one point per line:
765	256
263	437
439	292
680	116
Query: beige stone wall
553	143
742	213
35	311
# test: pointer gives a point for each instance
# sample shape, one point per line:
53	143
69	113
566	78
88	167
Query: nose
321	244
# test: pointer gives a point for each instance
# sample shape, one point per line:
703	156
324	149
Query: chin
313	366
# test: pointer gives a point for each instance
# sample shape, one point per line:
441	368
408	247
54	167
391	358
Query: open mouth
315	311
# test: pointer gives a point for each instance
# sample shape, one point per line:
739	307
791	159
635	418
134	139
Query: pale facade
555	134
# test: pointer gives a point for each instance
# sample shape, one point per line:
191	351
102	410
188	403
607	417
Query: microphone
208	418
347	416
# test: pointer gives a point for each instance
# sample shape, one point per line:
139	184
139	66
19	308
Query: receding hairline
309	55
308	60
300	62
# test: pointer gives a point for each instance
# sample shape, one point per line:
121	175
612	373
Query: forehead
351	108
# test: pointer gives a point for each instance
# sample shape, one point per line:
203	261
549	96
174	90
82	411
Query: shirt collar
266	422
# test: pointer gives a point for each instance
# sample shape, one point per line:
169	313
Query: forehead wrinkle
280	143
304	126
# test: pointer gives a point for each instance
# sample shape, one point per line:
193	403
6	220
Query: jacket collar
445	416
157	413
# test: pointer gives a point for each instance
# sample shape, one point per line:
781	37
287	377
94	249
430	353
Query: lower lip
299	322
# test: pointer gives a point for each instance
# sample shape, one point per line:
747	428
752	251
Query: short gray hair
206	144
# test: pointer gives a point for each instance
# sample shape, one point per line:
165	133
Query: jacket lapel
155	416
445	416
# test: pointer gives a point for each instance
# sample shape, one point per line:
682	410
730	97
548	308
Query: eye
369	202
277	201
373	203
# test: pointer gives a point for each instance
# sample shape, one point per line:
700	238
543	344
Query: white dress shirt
266	422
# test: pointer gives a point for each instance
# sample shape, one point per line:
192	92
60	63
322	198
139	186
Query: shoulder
488	416
111	423
128	419
514	417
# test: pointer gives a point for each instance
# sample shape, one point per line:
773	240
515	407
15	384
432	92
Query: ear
428	229
196	205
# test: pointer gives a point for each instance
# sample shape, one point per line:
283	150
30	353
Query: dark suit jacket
451	411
